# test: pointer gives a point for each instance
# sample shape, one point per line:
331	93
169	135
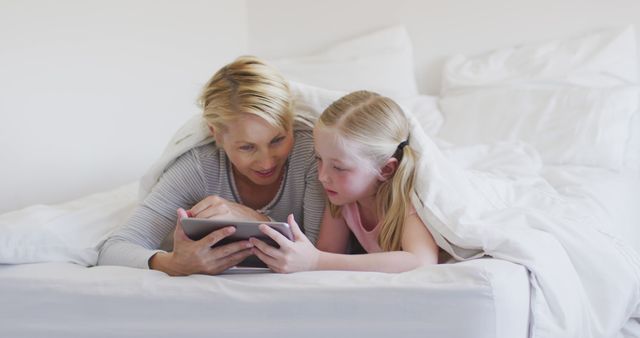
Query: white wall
91	91
437	27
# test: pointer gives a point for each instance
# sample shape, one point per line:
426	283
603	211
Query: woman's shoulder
303	143
202	156
301	128
208	150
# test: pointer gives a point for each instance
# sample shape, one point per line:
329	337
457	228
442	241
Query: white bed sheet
478	298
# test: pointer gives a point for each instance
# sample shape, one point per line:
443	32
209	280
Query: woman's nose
267	161
266	164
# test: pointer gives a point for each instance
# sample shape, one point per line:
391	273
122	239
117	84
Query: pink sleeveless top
367	238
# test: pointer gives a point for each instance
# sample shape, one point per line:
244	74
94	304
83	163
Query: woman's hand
216	207
292	256
191	257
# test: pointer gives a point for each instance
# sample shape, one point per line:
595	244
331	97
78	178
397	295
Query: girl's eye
247	147
278	140
319	160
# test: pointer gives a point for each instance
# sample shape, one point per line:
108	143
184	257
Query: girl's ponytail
394	199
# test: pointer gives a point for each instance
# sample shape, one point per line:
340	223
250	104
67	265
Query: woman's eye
246	147
338	168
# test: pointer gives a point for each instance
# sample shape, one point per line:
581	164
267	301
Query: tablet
197	228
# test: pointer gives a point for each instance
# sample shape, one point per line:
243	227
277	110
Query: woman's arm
216	207
189	257
136	243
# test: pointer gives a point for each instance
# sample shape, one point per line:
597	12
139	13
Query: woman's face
257	150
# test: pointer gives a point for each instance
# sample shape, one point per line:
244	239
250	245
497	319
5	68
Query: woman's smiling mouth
266	173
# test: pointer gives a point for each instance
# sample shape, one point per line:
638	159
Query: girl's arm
334	234
417	239
419	249
300	254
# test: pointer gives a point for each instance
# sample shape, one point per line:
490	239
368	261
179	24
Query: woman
260	167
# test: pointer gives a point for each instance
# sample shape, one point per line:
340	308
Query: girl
367	168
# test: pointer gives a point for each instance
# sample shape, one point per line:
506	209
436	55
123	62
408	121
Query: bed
117	301
530	183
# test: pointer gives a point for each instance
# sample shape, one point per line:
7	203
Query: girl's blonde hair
378	125
247	86
380	128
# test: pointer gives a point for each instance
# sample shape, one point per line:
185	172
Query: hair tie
403	144
398	153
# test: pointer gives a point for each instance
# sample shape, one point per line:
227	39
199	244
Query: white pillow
311	101
380	62
567	125
571	99
605	58
68	232
426	111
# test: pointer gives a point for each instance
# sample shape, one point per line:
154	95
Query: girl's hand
216	207
191	257
292	256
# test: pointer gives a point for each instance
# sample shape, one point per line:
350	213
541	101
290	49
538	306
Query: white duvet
585	282
573	100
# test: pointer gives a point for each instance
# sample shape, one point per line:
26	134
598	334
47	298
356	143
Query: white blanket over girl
508	211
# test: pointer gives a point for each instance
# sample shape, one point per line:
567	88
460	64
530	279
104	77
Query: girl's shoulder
411	210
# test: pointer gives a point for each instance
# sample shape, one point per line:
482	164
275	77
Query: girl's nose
322	177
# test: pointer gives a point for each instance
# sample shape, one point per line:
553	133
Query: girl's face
345	176
257	150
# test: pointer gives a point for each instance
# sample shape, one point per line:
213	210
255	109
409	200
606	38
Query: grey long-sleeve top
205	171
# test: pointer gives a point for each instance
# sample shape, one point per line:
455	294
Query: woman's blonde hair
381	130
247	86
